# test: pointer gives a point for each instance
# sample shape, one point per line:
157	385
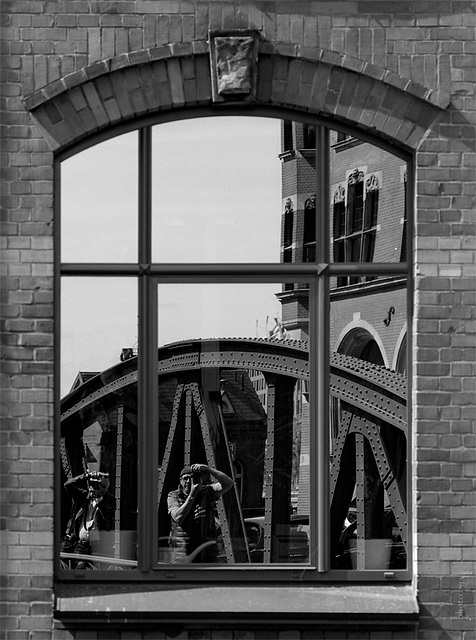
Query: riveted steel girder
380	391
372	399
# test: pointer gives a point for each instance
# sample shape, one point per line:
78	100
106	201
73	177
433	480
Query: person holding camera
93	512
192	512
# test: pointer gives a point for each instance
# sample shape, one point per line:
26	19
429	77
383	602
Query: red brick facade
403	71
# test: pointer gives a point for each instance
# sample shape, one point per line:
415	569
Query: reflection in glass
99	202
233	406
98	322
233	389
98	436
369	526
298	204
367	204
99	476
216	190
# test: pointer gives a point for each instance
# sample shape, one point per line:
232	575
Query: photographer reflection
192	511
93	512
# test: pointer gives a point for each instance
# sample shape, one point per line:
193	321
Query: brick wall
403	69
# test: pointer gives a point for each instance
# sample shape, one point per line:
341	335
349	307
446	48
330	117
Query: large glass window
226	396
98	435
368	431
229	404
99	203
215	191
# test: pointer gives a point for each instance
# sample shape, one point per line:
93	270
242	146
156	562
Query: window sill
249	606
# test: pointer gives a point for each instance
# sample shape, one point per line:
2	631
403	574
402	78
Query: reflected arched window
359	343
355	221
309	235
402	357
372	353
355	206
288	227
287	141
288	236
309	136
338	202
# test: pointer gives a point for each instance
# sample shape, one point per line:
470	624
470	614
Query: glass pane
216	190
99	424
369	526
233	466
99	197
368	192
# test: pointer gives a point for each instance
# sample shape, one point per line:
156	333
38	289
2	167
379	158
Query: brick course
399	68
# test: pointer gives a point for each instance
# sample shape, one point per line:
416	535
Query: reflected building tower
368	224
298	244
368	220
298	228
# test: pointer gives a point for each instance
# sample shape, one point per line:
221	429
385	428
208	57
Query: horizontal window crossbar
281	270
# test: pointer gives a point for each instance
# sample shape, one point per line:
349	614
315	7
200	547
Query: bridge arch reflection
228	400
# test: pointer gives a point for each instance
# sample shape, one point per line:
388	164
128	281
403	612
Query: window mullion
145	195
147	358
322	194
320	354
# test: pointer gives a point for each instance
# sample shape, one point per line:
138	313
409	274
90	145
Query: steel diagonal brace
170	438
188	425
369	430
207	441
369	399
268	472
117	518
360	497
338	448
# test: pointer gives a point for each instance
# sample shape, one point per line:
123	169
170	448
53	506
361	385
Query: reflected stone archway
401	364
359	343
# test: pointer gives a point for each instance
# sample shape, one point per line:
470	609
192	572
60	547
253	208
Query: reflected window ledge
377	605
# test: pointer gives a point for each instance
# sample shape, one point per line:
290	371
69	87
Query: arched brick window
171	247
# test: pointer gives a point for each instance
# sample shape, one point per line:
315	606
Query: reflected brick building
368	211
368	222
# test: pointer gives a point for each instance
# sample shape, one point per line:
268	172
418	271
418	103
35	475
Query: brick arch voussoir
332	86
120	93
400	114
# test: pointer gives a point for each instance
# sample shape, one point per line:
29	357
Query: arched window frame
148	273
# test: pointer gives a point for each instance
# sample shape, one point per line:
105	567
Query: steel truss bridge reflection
367	470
